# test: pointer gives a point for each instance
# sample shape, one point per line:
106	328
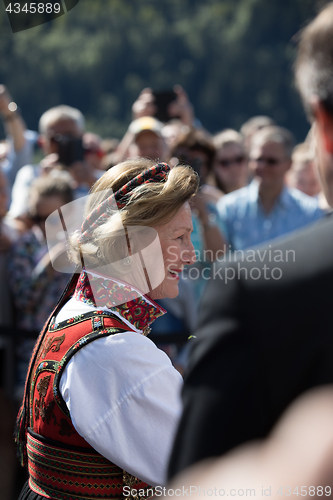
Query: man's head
59	121
303	174
270	156
148	141
252	125
314	79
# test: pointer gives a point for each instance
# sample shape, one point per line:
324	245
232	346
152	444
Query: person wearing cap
102	402
144	139
148	140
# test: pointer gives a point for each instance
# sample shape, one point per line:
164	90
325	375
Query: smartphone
162	101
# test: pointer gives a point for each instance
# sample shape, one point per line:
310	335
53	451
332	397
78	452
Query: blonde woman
102	402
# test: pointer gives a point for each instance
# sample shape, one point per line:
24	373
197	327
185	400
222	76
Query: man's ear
324	125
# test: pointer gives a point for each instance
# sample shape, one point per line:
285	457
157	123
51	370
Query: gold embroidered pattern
133	483
45	412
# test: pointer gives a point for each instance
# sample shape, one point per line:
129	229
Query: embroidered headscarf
157	173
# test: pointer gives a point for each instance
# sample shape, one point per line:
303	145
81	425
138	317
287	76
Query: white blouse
123	395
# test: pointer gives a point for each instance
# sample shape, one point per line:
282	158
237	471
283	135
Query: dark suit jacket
260	343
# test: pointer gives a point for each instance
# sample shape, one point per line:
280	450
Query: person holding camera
61	131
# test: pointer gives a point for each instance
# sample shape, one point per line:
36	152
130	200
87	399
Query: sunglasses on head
227	163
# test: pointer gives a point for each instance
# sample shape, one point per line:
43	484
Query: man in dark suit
266	327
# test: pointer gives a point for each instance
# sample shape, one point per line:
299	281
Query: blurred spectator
303	174
9	233
252	125
148	140
144	138
180	119
59	125
195	148
109	147
266	208
180	108
230	165
34	284
173	130
93	152
18	148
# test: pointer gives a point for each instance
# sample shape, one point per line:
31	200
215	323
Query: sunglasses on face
269	161
232	161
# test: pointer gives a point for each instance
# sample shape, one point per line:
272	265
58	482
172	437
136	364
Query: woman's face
45	206
177	249
230	166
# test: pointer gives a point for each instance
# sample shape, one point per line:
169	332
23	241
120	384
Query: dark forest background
233	57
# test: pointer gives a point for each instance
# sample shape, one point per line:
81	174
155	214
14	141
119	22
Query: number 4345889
305	490
33	8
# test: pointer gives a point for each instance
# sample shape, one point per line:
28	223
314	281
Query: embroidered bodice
52	435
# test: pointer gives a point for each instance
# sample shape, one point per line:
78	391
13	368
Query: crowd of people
255	186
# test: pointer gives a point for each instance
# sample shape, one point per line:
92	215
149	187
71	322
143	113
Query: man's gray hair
62	112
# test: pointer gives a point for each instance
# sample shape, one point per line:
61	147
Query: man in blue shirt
266	208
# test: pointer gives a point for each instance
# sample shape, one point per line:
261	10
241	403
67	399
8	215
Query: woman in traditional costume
102	402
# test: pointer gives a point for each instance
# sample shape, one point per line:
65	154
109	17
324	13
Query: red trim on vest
47	416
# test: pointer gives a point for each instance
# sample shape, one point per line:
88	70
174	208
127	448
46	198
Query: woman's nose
189	255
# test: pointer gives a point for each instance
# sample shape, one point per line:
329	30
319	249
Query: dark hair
57	183
277	134
194	140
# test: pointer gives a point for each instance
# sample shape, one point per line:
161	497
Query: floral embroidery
41	409
53	344
46	412
120	297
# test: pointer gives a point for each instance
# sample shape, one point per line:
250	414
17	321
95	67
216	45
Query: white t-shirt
123	395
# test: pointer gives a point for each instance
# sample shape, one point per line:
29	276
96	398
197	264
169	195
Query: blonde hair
150	204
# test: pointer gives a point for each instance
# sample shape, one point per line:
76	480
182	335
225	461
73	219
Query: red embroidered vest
62	465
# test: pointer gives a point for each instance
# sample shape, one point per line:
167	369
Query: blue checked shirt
246	224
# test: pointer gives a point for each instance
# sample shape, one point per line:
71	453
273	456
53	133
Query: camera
70	149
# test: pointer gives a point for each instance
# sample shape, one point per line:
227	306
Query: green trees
233	57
